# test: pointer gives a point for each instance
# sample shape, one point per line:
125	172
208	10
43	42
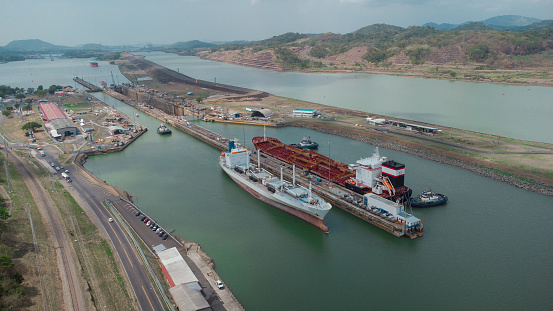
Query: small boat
428	198
93	64
306	143
162	129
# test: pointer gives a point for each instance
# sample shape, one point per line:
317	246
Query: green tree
53	88
16	105
6	113
31	126
30	90
10	108
27	107
19	96
41	93
40	88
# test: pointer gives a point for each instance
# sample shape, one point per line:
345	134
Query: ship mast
294	175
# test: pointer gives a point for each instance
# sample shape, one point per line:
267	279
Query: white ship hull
292	206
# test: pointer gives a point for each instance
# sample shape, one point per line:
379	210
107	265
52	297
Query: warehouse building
57	122
306	113
185	288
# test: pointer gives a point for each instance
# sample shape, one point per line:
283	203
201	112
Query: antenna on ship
281	179
258	159
264	136
293	174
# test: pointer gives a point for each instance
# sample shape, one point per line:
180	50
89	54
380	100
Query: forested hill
469	43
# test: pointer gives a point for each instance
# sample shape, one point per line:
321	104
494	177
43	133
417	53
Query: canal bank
522	163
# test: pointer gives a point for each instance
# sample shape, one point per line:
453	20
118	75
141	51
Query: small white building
306	113
376	121
397	210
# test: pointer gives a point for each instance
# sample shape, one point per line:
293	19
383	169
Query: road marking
128	258
147	297
120	243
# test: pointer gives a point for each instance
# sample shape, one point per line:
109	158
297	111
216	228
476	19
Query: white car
110	219
219	284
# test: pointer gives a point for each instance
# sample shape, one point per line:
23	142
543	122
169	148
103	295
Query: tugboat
306	143
428	198
162	129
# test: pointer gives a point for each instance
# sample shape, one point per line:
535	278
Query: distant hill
230	42
510	21
443	26
93	47
544	24
190	45
32	45
474	26
503	22
378	28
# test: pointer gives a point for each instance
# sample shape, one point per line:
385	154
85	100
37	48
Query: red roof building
52	112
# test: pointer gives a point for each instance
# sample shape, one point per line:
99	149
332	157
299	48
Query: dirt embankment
449	63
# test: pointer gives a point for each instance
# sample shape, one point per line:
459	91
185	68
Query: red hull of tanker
318	164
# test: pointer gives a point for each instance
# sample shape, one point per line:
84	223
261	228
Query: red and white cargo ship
372	174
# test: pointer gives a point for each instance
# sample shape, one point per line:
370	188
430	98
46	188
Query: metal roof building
185	288
310	113
188	298
52	112
263	113
64	127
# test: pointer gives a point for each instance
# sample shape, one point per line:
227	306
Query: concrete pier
91	87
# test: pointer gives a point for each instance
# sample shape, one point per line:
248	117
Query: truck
42	154
66	177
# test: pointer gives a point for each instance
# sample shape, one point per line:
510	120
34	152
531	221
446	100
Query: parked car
143	217
137	214
110	219
165	236
161	233
219	284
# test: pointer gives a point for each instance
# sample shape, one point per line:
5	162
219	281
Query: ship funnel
230	145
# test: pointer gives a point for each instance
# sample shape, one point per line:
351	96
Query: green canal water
489	248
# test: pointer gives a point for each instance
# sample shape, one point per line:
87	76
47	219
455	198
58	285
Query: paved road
94	194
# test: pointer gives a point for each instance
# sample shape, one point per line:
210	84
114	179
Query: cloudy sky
114	22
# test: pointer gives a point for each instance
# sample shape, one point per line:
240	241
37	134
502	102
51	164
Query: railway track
72	292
